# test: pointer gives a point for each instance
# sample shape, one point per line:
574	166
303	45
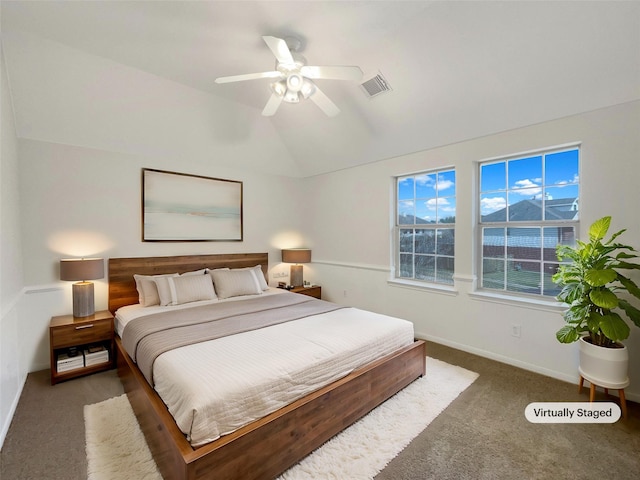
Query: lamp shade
296	255
78	269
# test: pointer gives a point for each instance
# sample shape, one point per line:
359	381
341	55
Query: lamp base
83	305
295	276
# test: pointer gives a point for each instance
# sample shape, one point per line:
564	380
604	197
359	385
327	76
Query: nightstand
315	291
93	335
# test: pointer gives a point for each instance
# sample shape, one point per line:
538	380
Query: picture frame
180	207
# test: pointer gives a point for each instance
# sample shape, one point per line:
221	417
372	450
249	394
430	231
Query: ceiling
138	76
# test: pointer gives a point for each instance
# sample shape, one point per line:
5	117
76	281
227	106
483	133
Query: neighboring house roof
556	209
524	210
411	220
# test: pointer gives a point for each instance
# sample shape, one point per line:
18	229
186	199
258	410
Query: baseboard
573	379
12	411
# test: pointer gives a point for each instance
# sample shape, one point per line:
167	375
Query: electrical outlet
280	275
515	330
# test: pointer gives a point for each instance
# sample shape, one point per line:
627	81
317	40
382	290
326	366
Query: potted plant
591	283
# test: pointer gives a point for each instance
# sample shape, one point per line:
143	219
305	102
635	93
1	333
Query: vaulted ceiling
138	76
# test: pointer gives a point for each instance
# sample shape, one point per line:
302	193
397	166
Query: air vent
375	86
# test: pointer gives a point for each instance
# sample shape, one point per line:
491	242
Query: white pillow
233	283
258	270
210	273
147	289
190	288
162	284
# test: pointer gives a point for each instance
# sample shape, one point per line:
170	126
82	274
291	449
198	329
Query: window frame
397	228
523	224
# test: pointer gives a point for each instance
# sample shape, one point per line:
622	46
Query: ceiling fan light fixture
292	97
308	89
279	88
295	82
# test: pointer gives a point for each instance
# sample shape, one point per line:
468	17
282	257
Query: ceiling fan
293	77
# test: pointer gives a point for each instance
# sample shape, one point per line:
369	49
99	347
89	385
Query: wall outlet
515	330
280	275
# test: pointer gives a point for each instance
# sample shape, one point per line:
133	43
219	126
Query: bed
269	444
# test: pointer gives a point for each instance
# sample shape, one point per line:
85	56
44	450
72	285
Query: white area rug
116	448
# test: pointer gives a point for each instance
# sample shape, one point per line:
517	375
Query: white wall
78	201
83	202
12	373
349	222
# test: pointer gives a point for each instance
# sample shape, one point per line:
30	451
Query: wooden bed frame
267	447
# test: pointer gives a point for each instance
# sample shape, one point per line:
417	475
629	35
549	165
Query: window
528	205
424	228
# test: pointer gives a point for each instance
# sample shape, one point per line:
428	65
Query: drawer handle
84	326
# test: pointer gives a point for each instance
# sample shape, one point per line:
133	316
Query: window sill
431	287
524	302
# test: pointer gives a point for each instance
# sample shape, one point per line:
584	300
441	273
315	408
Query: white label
572	412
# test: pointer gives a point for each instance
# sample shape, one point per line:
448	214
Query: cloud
425	180
436	202
445	184
527	188
434	181
526	183
488	205
571	182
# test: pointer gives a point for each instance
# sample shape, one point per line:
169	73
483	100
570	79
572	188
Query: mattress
214	387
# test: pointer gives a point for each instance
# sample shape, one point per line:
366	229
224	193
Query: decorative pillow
210	273
260	276
190	288
147	289
162	284
233	283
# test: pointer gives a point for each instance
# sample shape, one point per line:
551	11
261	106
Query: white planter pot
605	367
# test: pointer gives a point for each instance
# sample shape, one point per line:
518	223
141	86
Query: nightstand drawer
88	332
315	291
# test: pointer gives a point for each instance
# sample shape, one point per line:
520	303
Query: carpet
116	448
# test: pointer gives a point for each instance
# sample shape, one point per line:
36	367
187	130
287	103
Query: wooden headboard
122	286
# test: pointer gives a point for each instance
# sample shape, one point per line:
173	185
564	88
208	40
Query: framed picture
178	207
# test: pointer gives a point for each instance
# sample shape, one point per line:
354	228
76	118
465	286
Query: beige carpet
116	448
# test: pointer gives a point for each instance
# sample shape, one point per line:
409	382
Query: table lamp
297	256
82	269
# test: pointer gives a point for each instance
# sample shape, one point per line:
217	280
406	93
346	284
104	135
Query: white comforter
213	388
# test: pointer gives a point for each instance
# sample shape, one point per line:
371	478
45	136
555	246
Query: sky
554	175
431	196
428	196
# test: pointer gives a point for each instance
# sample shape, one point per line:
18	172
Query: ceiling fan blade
325	104
280	49
248	76
332	72
272	105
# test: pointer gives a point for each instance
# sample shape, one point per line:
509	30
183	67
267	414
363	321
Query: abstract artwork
178	207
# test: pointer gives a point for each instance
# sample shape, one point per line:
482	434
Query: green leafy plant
591	282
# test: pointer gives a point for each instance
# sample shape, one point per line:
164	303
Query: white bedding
125	314
237	379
